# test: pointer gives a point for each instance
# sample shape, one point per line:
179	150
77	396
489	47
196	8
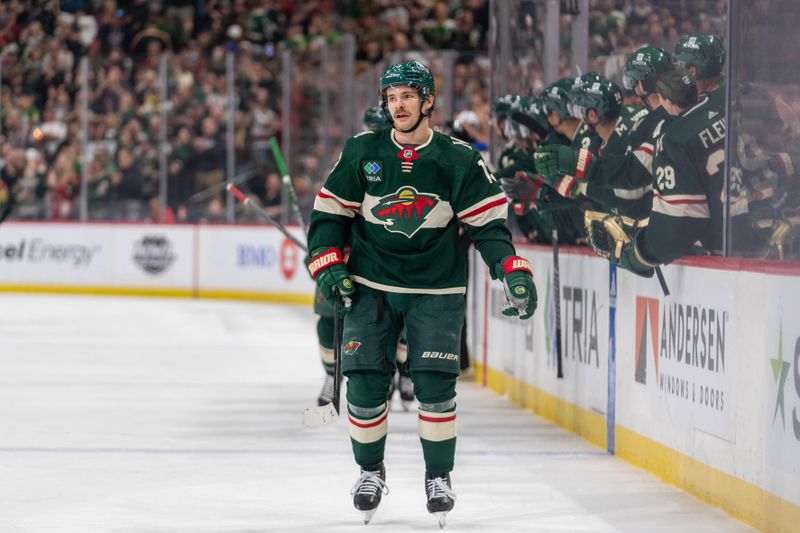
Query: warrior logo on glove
518	285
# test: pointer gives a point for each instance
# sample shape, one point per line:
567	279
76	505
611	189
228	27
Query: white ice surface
129	415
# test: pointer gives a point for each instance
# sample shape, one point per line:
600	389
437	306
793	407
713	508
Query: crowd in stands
42	46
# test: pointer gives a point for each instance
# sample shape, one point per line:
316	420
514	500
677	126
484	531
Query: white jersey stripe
489	209
633	194
644	154
684	206
331	206
407	290
327	202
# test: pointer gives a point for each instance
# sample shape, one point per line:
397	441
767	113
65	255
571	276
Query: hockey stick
329	413
205	194
234	190
662	281
287	182
557	293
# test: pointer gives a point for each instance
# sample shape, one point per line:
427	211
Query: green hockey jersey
402	207
623	180
689	196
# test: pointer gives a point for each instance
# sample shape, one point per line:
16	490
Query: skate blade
442	518
319	416
367	515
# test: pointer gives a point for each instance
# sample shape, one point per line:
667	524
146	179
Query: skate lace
437	488
369	482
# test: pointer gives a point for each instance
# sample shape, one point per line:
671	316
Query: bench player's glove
564	168
517	277
523	186
328	269
610	237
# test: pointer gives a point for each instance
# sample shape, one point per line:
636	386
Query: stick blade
320	416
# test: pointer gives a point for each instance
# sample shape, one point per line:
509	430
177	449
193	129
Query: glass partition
764	129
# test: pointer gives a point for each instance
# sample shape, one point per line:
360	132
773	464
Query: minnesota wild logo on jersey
405	211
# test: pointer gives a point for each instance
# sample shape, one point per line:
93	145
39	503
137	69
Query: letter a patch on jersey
405	211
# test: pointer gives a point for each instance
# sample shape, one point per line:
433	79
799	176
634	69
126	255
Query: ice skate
441	497
406	387
326	394
368	489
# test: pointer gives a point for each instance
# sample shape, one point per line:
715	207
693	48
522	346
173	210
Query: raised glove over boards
563	167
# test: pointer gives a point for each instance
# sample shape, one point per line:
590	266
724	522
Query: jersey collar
702	102
417	148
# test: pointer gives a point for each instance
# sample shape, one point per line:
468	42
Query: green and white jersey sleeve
401	208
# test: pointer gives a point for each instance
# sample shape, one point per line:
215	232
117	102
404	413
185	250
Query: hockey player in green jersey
703	55
554	211
603	176
523	125
688	202
399	196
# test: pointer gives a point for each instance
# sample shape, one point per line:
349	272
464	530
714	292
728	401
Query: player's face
404	105
669	107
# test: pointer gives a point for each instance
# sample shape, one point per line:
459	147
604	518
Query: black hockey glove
523	186
328	269
517	277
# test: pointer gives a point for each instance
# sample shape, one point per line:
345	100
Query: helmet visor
628	82
576	110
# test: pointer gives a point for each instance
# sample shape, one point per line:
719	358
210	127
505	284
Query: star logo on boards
780	371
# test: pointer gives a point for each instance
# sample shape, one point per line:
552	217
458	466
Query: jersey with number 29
401	207
689	180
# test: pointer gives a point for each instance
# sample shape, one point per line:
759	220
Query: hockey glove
608	235
784	165
523	186
517	277
328	269
564	168
553	160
